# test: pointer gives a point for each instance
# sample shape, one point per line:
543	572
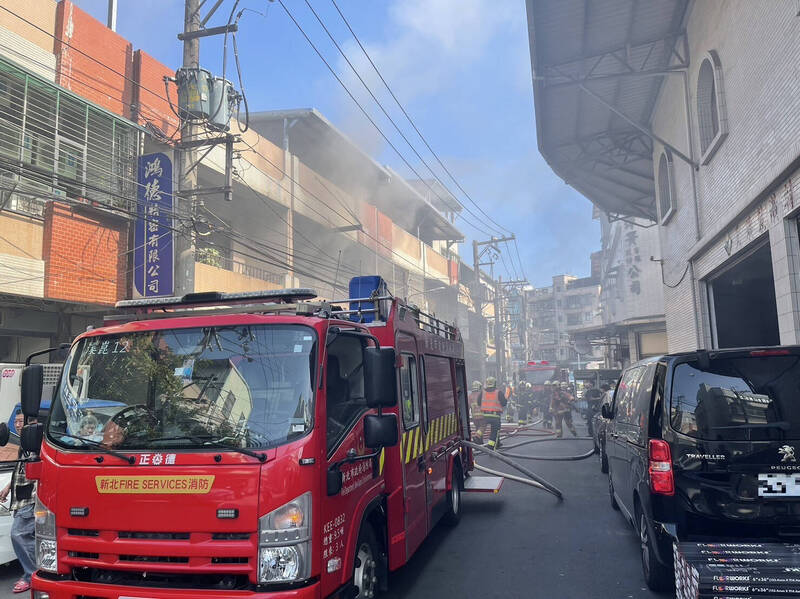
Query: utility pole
185	203
499	331
479	248
524	325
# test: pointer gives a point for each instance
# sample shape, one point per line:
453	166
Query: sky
460	68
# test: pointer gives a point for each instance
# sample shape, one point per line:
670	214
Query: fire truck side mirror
5	434
30	438
605	410
335	479
31	392
380	387
380	431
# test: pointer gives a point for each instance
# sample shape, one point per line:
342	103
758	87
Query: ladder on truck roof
295	300
278	300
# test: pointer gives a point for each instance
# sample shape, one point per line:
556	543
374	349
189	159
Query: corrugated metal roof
585	55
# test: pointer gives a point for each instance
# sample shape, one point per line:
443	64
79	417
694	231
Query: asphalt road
521	542
524	543
9	574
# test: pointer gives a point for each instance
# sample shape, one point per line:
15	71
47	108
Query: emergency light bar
211	298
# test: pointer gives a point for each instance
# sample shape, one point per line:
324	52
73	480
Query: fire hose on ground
533	479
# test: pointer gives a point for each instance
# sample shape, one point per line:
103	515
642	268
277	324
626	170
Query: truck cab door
412	446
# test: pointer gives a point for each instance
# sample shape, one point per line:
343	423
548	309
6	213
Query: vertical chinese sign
153	248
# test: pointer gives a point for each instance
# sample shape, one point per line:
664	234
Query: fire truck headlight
46	545
284	539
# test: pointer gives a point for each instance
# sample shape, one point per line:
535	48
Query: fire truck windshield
539	376
233	386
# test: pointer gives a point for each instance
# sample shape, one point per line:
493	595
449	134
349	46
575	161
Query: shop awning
597	70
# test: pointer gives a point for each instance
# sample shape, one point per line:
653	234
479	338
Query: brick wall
111	88
84	255
149	95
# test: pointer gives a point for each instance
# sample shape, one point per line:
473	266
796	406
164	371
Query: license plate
779	485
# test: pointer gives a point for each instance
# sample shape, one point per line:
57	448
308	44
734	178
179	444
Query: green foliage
210	256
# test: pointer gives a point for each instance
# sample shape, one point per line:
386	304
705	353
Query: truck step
483	484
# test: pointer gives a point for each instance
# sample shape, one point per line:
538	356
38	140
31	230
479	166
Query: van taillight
662	480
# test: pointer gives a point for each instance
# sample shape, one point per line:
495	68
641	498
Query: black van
702	446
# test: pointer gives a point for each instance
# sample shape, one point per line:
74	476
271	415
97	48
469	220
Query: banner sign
153	247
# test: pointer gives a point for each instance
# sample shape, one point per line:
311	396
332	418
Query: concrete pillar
294	170
785	249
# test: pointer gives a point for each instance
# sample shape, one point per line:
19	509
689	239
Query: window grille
57	144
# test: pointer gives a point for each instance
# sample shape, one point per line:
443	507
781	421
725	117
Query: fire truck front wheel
365	572
453	514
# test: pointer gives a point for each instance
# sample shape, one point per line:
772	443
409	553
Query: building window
666	192
712	120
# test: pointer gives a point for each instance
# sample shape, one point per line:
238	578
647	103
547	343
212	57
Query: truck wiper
211	441
781	424
100	447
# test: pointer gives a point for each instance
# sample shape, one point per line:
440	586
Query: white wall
757	43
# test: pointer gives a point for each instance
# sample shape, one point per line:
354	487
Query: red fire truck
247	445
537	373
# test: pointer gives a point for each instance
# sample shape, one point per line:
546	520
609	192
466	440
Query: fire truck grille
161	559
82	532
226	582
229	560
191	560
160	536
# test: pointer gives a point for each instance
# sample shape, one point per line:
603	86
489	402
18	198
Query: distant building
558	313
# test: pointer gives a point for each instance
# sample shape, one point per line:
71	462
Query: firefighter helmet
491	382
476	385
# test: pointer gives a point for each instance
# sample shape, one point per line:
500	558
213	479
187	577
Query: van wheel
453	514
365	570
614	503
657	576
603	459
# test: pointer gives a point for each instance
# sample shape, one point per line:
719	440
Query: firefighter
545	400
524	402
492	404
511	396
592	397
475	399
561	406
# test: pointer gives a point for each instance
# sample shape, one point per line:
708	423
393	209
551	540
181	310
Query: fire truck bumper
50	589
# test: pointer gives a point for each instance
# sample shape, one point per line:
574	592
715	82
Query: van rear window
738	399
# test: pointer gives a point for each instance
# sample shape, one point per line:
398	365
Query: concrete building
631	294
79	106
559	312
685	114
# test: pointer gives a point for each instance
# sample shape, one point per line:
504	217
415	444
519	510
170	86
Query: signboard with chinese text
153	253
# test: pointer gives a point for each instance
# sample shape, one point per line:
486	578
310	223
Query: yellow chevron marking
380	462
408	446
403	445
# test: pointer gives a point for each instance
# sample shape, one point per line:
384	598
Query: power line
383	109
358	104
411	121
